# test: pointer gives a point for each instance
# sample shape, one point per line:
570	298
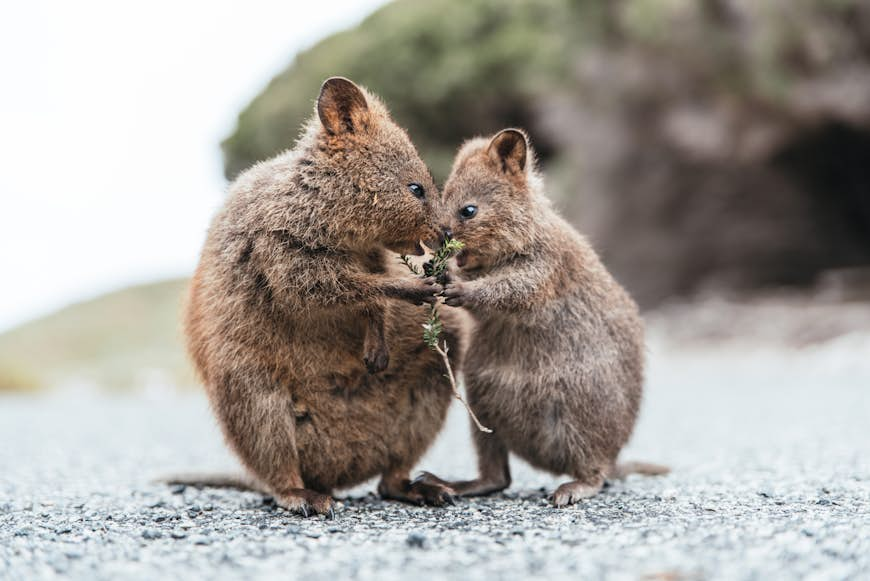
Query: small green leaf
404	259
434	267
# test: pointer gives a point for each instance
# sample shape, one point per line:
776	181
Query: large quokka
308	345
555	364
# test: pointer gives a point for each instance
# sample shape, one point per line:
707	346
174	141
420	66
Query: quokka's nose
446	234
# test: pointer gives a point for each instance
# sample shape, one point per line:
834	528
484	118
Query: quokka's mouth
418	249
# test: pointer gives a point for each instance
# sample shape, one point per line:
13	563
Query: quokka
555	363
306	337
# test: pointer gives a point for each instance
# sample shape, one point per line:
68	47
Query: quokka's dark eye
469	211
417	190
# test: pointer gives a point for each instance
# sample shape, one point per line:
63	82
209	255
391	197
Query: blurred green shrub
448	70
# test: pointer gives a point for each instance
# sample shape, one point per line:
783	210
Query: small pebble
416	540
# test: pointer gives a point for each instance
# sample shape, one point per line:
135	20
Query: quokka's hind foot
416	491
577	490
307	502
622	469
476	487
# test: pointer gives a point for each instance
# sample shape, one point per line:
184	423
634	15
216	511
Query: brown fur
306	337
555	365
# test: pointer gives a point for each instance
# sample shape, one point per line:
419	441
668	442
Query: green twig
433	326
411	266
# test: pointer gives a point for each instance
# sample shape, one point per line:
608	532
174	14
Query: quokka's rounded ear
509	150
341	106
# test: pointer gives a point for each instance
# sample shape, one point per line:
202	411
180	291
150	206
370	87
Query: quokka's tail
622	469
235	481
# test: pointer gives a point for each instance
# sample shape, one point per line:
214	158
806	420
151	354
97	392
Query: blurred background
716	152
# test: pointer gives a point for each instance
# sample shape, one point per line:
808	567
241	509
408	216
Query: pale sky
111	115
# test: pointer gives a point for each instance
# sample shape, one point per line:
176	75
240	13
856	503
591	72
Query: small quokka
555	364
306	337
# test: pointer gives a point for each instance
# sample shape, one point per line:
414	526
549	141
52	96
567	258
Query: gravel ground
771	480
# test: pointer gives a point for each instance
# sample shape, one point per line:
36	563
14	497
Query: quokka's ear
509	150
341	106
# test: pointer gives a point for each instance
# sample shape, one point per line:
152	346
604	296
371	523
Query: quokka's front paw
421	291
456	294
376	358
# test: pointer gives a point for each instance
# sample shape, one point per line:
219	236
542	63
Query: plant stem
456	394
433	327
